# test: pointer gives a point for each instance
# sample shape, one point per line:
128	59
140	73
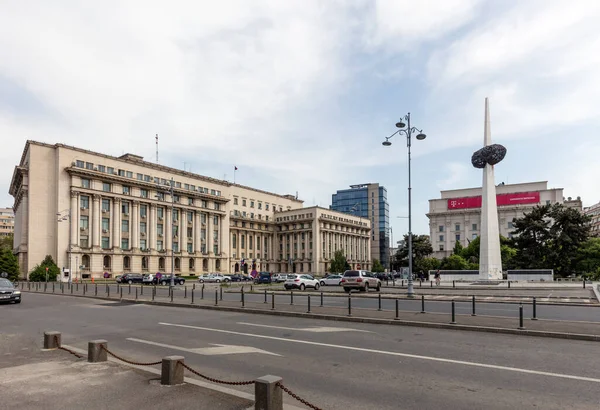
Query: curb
400	322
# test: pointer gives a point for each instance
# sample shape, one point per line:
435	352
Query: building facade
95	213
456	216
594	213
7	221
368	201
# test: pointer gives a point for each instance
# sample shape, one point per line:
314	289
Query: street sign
158	275
106	275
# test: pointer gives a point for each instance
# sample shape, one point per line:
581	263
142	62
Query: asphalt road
543	311
345	366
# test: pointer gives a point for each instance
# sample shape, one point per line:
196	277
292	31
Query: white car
301	282
331	280
214	278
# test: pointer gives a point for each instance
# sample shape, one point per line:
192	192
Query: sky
299	95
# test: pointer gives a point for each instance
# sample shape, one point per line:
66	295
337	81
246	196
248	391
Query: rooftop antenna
157	149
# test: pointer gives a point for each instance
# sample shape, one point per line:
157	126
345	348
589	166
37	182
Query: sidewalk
495	324
55	380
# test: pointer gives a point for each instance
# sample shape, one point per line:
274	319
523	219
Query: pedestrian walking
437	277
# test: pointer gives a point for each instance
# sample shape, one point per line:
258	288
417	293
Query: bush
9	264
38	274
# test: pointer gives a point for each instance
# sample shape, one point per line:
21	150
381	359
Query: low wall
457	275
531	275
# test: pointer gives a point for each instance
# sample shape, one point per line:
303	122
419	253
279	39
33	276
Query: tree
454	262
339	264
458	248
6	242
9	264
588	256
470	253
377	266
38	274
421	249
426	264
549	237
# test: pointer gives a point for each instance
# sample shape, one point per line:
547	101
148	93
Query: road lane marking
412	356
322	329
208	351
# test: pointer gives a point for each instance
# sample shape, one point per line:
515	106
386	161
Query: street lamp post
70	248
408	131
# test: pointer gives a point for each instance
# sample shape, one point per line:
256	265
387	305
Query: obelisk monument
490	262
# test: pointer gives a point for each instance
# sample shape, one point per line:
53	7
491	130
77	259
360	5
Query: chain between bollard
77	355
295	396
129	361
210	379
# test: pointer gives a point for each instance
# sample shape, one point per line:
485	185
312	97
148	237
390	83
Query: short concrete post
172	371
96	353
267	394
52	340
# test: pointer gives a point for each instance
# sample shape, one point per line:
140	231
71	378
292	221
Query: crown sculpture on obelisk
490	261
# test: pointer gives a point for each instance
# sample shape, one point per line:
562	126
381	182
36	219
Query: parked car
331	280
360	279
278	278
132	278
301	282
382	276
214	278
166	280
237	277
263	277
148	279
8	292
118	278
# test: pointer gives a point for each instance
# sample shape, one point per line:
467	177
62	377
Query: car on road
301	282
263	277
214	278
132	278
148	279
118	278
331	280
8	292
278	278
236	277
166	280
360	279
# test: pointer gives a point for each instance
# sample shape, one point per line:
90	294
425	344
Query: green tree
454	262
588	256
38	274
9	264
377	266
421	249
339	264
6	242
425	265
471	251
458	248
569	231
532	236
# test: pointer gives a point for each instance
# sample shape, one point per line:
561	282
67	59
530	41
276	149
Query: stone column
74	213
135	225
25	219
96	221
197	232
168	229
116	229
151	224
209	235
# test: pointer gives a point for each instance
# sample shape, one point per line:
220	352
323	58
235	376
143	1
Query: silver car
360	279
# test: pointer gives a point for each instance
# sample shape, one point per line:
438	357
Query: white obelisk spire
490	262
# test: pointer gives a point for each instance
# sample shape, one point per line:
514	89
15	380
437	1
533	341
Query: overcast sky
300	94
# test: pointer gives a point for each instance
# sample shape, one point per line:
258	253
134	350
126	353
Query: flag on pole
234	168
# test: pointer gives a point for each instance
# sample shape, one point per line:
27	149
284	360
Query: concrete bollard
267	394
95	351
52	340
172	371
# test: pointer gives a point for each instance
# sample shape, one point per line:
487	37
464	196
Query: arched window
145	263
85	261
205	264
191	265
126	262
177	264
218	265
161	263
106	262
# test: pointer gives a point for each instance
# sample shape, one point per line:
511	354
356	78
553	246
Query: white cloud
455	175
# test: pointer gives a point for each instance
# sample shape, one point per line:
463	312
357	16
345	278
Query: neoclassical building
97	214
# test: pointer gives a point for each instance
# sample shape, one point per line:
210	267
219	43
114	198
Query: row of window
84	226
145	178
107	262
259	204
442	228
288	258
250	215
84	243
144	193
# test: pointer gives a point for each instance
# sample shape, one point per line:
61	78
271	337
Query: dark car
166	280
238	278
262	277
8	292
132	278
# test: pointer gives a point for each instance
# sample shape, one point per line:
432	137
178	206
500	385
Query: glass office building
368	201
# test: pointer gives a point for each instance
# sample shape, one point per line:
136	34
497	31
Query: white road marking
208	351
322	329
413	356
